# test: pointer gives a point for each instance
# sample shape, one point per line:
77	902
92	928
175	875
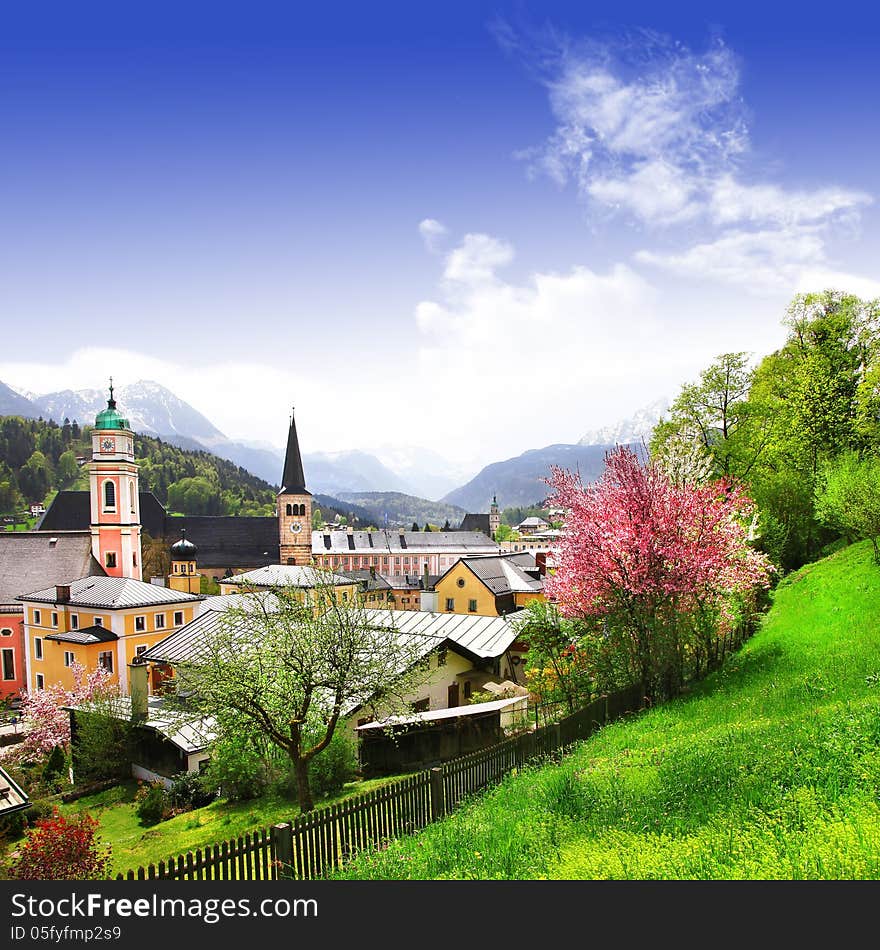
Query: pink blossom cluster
635	534
47	721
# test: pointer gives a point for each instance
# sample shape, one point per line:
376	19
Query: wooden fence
321	841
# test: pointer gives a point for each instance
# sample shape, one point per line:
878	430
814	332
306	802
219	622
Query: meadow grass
767	769
134	844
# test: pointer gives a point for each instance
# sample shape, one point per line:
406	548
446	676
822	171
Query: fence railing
321	841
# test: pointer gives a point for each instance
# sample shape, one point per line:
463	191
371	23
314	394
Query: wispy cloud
433	233
651	130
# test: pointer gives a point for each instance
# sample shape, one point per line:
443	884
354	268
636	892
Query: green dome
111	418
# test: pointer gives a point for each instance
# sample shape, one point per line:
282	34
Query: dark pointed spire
111	402
293	481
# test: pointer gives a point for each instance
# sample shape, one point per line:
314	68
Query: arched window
290	509
131	497
109	495
291	560
302	509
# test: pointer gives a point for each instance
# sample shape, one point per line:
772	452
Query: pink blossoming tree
661	566
44	715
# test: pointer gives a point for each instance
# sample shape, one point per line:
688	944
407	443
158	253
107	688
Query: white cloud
476	259
733	202
760	261
655	190
433	233
542	356
644	127
654	131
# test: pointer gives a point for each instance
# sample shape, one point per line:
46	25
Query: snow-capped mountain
149	407
637	428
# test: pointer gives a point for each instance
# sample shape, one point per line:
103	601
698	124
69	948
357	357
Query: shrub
188	790
337	764
61	849
237	769
55	769
154	803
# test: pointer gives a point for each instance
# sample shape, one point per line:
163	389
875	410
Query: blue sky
480	227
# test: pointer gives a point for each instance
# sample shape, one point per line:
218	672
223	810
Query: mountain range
407	471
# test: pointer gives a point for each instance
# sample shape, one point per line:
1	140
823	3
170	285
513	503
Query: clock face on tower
107	445
296	527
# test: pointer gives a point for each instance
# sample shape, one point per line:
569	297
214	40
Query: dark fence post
282	839
438	803
556	737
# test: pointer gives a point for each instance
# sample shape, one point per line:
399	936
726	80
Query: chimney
62	593
138	689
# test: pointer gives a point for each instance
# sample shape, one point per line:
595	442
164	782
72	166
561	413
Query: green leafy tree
34	479
293	670
557	669
66	470
848	498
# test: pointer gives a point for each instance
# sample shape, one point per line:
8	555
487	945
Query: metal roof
386	541
483	637
190	732
112	593
288	575
84	635
501	576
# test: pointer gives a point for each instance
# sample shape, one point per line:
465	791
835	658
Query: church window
291	560
289	509
110	559
131	497
109	496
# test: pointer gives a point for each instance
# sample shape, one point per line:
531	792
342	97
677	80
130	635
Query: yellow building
292	576
489	586
98	622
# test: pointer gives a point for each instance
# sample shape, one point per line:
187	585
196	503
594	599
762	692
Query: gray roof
502	576
113	593
188	731
369	580
531	522
287	575
484	637
386	541
85	635
31	559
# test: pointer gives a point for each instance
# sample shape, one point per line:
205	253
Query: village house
97	622
30	559
490	586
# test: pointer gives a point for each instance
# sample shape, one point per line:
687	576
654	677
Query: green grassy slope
770	768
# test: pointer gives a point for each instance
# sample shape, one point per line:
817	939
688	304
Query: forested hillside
39	458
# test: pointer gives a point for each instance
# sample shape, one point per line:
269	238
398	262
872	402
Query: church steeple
294	506
293	481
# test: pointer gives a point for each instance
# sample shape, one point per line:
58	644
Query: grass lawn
769	768
135	845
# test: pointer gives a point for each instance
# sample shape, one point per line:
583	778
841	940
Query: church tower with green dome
115	506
